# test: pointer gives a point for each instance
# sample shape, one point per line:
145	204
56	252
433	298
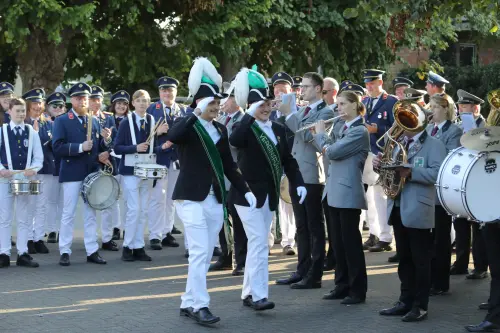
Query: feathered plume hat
250	86
204	81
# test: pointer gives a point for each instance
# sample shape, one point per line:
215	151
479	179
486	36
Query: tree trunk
41	63
228	67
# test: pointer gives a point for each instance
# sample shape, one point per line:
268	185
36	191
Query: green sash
216	163
274	160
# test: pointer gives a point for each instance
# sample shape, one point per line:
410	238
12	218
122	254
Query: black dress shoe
484	306
371	241
476	275
110	246
26	260
4	260
293	278
394	258
217	252
328	267
64	260
288	251
437	292
186	254
175	231
116	234
40	247
220	266
169	241
204	316
31	247
380	247
238	271
187	312
415	314
52	238
155	244
399	309
127	254
350	300
260	305
336	293
365	226
12	242
306	284
140	254
485	326
95	258
454	270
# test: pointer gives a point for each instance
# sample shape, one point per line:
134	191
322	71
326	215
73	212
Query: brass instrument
408	117
494	115
284	192
306	127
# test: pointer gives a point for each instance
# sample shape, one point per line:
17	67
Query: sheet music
468	121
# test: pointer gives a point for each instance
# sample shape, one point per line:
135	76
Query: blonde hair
352	97
445	101
141	93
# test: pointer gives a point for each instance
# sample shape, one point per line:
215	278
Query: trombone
306	127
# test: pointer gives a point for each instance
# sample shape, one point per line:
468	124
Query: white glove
252	201
253	108
202	105
301	192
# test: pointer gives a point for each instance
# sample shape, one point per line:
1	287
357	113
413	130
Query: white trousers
156	213
7	202
55	203
169	207
137	193
287	224
40	205
202	223
257	223
71	194
377	218
111	217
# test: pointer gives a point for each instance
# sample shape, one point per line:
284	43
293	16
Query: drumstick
152	134
21	171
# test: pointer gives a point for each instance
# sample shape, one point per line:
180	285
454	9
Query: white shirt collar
139	118
441	124
380	95
315	104
268	123
349	124
13	125
414	138
204	122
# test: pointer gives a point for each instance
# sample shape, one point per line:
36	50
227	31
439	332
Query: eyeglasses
306	86
325	91
57	106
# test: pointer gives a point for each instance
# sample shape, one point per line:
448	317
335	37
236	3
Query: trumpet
306	127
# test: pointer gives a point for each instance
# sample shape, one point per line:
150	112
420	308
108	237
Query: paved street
145	297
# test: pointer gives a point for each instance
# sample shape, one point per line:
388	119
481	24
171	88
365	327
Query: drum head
481	188
103	192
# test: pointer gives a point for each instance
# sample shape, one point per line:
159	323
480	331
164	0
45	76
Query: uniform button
295	153
67	161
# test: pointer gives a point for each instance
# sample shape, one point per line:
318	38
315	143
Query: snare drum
25	187
467	184
100	190
150	171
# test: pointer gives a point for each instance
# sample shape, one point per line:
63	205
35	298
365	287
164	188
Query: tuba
408	117
494	115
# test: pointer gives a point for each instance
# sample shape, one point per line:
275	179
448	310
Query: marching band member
263	153
200	192
468	103
330	91
6	93
411	214
22	157
400	84
436	84
119	108
35	117
378	119
345	195
79	157
55	107
309	216
109	216
297	85
162	222
132	138
443	115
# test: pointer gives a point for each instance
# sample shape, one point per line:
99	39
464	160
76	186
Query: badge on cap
80	85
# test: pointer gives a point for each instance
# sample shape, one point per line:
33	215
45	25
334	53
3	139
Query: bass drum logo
456	170
490	166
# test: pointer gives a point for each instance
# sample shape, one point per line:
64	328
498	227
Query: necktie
345	127
307	111
434	130
142	130
408	144
18	130
83	120
227	120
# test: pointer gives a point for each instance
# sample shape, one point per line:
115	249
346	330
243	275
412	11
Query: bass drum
467	184
100	190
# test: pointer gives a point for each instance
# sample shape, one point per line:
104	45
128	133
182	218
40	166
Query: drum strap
7	145
132	131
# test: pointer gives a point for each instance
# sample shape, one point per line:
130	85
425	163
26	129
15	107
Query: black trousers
491	233
309	220
350	273
330	254
414	269
240	240
441	256
462	244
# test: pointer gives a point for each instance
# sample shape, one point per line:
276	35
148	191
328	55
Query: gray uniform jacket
234	151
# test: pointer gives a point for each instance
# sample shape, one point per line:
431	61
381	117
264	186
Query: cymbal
482	139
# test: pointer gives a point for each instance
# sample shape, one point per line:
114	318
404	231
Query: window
467	54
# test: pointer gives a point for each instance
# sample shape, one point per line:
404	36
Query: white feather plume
241	88
202	66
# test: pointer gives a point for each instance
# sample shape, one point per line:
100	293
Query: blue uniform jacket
45	134
156	110
382	115
107	120
68	134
